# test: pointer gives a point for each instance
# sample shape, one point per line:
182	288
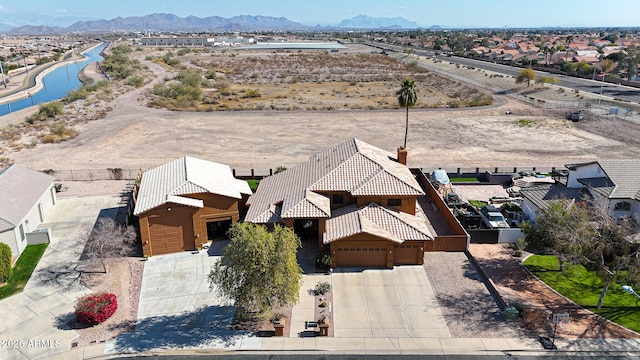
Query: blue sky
461	13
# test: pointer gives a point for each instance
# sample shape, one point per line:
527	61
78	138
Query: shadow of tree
67	277
473	312
217	247
206	327
68	321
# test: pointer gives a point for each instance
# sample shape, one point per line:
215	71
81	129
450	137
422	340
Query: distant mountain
368	22
13	19
171	22
36	30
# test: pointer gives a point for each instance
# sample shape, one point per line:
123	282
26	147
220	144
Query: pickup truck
493	218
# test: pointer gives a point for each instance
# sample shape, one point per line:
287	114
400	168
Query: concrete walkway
36	318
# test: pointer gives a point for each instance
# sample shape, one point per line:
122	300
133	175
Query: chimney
402	155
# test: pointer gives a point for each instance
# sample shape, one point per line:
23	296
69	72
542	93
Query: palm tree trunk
406	127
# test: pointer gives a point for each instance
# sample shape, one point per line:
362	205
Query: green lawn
583	287
464	179
253	184
23	269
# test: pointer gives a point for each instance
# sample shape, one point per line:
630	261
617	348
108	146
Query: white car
493	218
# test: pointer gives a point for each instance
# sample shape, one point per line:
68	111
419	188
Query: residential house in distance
615	181
187	202
26	196
356	200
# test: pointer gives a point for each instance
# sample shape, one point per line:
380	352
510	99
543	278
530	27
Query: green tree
585	233
407	97
258	268
630	65
526	75
613	250
553	231
606	65
5	262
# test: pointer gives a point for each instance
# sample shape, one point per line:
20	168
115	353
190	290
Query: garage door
168	235
361	257
406	254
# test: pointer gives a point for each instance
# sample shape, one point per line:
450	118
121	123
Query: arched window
622	206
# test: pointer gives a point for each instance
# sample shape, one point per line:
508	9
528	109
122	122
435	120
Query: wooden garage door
406	254
167	235
361	257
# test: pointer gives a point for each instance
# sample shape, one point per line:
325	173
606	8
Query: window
337	199
22	237
622	206
394	202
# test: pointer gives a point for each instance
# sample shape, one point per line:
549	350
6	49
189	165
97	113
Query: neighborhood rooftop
622	179
187	175
20	188
353	166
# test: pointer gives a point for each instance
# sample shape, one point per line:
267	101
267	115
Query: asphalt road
587	85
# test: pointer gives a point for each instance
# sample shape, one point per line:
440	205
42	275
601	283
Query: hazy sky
472	13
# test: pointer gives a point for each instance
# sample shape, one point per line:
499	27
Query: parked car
493	218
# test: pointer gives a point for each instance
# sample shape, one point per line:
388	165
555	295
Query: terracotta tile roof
353	166
20	189
167	183
376	220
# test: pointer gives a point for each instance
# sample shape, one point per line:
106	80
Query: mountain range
171	22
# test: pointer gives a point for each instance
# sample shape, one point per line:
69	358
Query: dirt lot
132	135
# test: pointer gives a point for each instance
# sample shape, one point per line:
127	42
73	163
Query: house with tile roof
356	200
187	202
615	181
26	196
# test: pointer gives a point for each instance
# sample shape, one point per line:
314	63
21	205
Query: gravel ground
465	301
125	280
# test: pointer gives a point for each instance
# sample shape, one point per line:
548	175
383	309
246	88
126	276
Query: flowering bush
96	308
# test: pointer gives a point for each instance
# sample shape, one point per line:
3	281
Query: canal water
57	83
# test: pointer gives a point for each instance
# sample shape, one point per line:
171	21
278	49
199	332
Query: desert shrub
252	93
5	262
79	94
481	100
45	111
135	81
453	104
324	260
59	132
321	288
96	308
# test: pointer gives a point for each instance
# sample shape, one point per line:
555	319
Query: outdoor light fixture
168	209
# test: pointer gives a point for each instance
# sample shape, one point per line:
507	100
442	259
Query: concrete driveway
36	316
383	303
177	311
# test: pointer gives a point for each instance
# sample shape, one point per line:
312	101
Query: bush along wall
5	262
96	308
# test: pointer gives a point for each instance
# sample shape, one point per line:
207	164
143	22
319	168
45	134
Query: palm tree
407	96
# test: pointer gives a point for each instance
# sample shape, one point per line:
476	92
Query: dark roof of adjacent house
375	220
169	182
623	175
544	195
353	166
20	189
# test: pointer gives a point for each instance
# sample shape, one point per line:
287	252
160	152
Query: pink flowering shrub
96	308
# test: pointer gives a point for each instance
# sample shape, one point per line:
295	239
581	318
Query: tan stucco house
187	202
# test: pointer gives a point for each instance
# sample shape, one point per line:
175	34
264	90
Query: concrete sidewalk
36	318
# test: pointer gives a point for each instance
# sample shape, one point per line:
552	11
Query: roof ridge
397	215
335	169
615	186
8	221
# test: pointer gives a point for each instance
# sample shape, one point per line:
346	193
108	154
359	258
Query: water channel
57	83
